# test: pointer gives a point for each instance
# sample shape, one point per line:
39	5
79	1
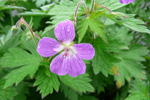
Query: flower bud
119	84
115	70
22	26
14	30
119	14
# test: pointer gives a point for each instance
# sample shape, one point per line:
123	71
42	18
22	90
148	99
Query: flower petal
121	1
84	50
126	1
60	65
48	47
77	66
72	65
64	31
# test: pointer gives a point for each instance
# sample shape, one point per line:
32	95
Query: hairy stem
49	59
75	15
105	8
36	36
92	5
25	23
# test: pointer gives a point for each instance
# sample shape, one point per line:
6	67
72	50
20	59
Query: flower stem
12	21
92	6
49	59
36	36
105	8
75	15
25	23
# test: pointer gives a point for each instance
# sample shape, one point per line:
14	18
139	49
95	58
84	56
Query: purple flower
126	1
69	60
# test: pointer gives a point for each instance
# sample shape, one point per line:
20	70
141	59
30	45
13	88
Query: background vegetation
120	69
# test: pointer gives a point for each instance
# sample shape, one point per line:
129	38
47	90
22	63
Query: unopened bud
22	26
119	84
115	70
14	30
119	14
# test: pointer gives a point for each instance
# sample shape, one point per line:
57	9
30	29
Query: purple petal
84	51
64	31
47	46
126	1
60	65
121	1
77	66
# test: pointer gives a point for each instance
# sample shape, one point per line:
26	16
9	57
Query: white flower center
67	49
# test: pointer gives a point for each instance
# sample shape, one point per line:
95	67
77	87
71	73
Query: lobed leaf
79	83
102	61
26	63
8	93
22	90
140	91
70	93
130	66
65	10
136	25
46	83
95	25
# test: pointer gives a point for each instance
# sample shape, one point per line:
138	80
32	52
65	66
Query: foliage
140	91
46	83
118	32
80	83
5	92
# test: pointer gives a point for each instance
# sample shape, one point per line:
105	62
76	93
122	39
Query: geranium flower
126	1
69	60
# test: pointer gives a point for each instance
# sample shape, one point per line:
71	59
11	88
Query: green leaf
140	91
70	93
111	4
136	25
118	39
10	41
82	28
25	63
102	61
46	83
33	12
136	52
87	97
129	68
131	22
95	25
3	2
100	82
8	7
130	65
7	93
22	90
79	83
65	10
41	2
46	8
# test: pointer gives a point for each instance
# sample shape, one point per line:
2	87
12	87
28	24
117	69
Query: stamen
66	53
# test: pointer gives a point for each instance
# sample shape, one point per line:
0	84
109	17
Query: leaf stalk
75	15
